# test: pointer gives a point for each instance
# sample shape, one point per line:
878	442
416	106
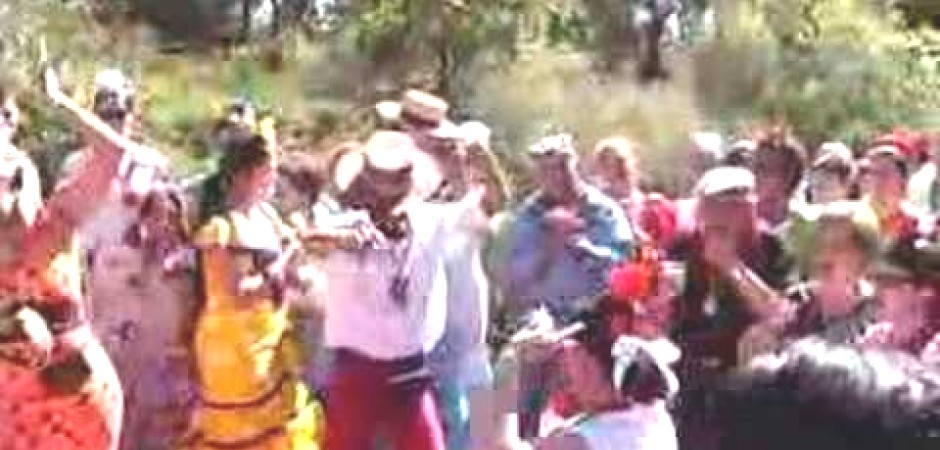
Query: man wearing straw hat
387	299
423	116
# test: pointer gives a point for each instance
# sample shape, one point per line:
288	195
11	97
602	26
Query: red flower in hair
631	282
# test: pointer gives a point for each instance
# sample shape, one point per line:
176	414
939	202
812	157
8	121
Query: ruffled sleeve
216	233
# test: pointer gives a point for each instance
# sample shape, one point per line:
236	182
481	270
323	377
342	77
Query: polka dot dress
34	417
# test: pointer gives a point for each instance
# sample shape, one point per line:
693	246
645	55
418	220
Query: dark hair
642	382
790	148
243	151
304	174
172	200
824	397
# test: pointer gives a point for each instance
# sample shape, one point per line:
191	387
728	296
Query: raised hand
53	85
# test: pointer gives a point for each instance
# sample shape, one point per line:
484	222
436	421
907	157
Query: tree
431	42
830	68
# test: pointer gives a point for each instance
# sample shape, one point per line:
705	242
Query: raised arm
78	197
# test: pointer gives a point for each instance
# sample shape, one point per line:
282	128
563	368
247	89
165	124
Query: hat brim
389	111
425	174
446	130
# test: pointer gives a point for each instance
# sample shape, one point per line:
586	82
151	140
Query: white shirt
360	312
641	427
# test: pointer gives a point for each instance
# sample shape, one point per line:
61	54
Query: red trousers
361	404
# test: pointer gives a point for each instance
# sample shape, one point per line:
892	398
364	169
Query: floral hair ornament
627	349
636	279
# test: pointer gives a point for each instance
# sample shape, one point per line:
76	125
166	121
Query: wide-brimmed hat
387	151
708	143
422	110
476	133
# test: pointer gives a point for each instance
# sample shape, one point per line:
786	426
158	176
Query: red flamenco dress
68	398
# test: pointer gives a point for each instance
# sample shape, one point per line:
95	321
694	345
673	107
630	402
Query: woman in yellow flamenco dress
248	369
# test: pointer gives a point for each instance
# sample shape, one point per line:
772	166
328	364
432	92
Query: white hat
423	109
708	142
113	80
387	151
724	179
474	132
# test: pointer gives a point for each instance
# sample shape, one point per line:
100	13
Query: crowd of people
394	293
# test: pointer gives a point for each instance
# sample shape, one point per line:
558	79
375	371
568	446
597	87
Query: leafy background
830	69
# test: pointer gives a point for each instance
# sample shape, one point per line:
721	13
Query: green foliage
432	41
830	68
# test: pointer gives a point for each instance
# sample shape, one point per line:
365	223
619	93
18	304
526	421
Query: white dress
641	427
463	353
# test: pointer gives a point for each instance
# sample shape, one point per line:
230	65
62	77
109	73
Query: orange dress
75	402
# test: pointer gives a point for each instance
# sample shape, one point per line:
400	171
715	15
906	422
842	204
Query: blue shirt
576	273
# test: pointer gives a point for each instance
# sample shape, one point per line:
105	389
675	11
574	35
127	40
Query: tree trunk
245	33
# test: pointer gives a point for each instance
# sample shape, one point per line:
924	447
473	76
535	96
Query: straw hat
421	110
387	151
476	133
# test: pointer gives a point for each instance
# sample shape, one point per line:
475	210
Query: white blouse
641	427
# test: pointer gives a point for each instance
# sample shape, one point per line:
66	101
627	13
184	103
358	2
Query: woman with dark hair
616	389
778	169
250	394
621	390
611	376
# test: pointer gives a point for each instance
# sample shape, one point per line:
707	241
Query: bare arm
80	195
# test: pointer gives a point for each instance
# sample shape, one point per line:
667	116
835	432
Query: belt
404	370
